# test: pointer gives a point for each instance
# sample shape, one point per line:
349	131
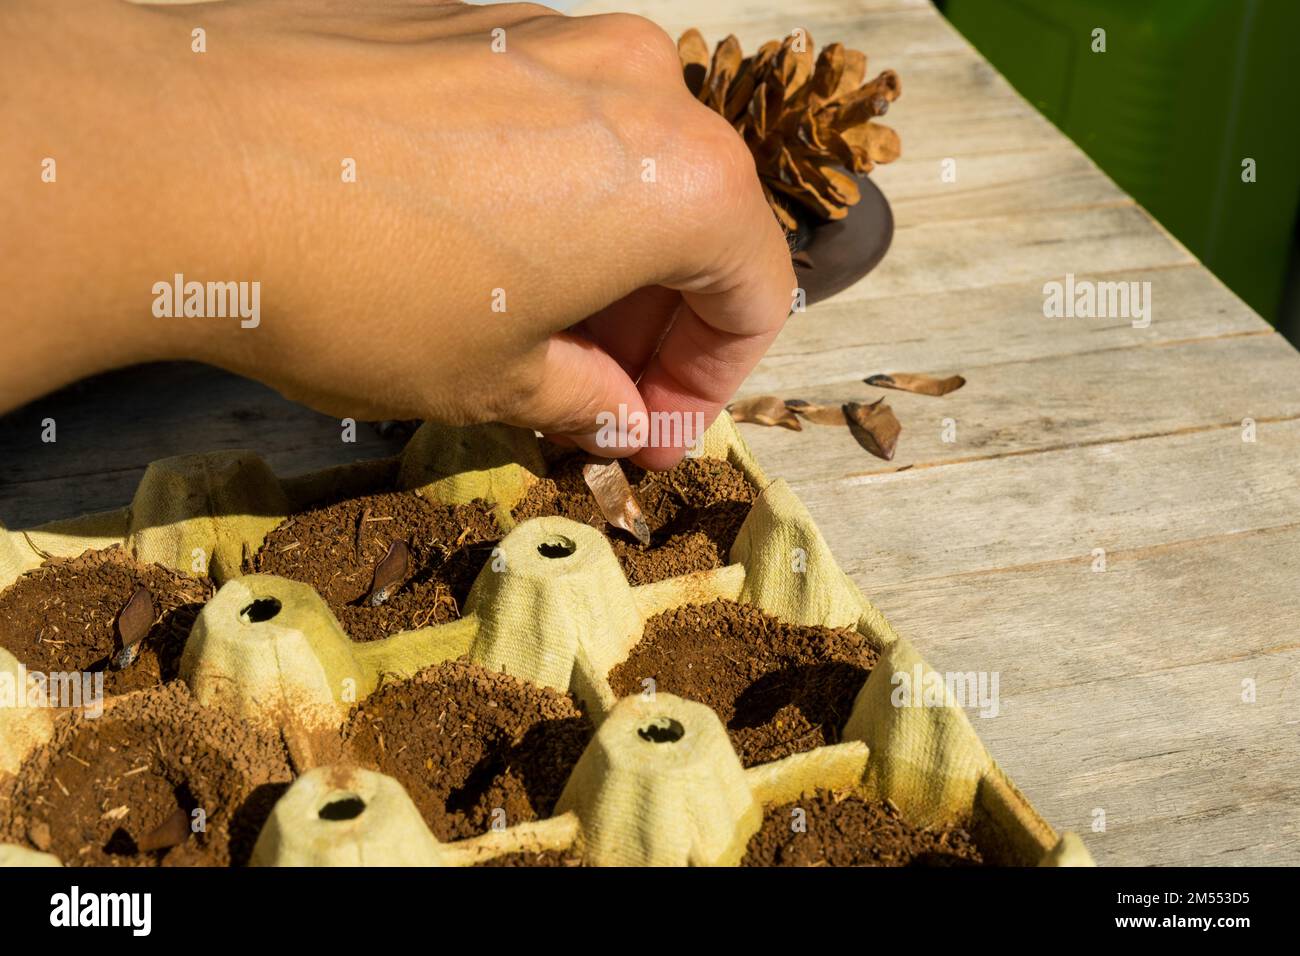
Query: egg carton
659	783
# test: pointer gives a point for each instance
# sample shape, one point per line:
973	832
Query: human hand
535	235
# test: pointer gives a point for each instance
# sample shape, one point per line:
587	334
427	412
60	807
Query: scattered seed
917	382
817	414
874	426
389	572
173	831
616	498
133	624
765	410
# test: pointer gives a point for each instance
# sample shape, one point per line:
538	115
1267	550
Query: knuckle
722	165
639	44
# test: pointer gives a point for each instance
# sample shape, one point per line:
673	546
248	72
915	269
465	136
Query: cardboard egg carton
658	784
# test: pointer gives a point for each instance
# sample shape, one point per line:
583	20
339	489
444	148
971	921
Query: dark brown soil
62	616
779	688
539	858
335	548
694	511
100	786
465	741
844	830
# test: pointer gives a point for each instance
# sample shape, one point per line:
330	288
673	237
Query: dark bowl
832	255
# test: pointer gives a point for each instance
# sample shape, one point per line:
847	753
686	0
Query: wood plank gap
862	476
1118	554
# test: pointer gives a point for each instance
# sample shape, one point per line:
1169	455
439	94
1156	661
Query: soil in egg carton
694	511
467	743
463	741
778	688
839	828
62	616
101	785
335	547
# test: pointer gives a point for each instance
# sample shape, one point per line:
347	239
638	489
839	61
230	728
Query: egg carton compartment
546	693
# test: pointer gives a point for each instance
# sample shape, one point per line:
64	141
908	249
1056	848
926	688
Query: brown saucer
831	256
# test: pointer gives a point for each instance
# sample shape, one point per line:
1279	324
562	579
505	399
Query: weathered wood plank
1122	689
1059	505
1033	247
1184	775
1043	403
843	339
109	428
995	184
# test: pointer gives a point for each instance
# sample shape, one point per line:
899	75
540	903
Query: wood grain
1010	408
1123	690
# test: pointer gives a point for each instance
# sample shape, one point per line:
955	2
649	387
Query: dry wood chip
874	426
818	414
133	624
765	410
389	573
917	382
616	498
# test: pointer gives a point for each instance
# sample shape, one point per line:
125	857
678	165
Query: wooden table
1121	690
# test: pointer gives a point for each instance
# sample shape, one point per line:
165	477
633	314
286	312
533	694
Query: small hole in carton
662	730
263	609
346	807
556	547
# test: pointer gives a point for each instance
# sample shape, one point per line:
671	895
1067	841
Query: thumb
582	394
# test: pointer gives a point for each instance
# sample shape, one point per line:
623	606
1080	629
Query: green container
1185	92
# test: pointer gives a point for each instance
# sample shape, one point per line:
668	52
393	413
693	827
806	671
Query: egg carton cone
659	783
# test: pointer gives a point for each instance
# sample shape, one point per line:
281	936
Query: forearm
484	263
109	188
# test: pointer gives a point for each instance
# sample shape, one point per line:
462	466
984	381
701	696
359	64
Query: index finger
737	290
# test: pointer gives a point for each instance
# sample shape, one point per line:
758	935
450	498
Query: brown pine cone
805	123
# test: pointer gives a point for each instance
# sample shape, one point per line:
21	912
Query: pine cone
805	124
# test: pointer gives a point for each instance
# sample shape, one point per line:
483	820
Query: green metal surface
1184	93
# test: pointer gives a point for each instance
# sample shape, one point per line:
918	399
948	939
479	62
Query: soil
536	858
100	786
465	741
62	616
694	511
335	547
842	829
778	688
